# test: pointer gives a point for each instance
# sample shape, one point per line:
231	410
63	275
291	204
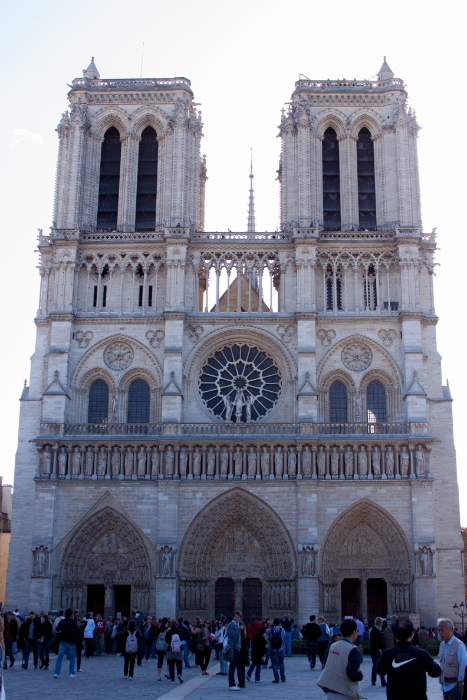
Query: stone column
341	463
355	462
383	462
327	451
397	474
314	449
369	462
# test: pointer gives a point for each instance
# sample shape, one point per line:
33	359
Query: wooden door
252	599
377	599
224	597
350	596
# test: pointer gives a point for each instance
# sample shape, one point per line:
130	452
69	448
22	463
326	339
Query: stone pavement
102	679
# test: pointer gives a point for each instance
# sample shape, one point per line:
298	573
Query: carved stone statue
76	462
41	561
419	461
229	407
252	459
306	461
142	461
362	462
114	406
348	462
224	462
108	596
183	461
115	461
101	462
358	406
238	462
197	462
308	561
389	461
278	462
211	461
265	462
62	463
169	461
155	462
238	405
376	462
292	462
404	460
47	462
248	404
321	460
166	561
334	462
424	561
129	460
89	462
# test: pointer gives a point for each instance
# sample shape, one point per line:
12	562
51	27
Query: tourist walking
244	658
388	637
220	637
194	631
184	634
147	636
67	628
174	652
89	635
44	640
336	637
10	636
287	624
257	654
29	634
161	647
342	674
234	629
323	639
452	659
204	647
376	648
80	642
277	642
131	644
252	629
406	666
312	634
100	629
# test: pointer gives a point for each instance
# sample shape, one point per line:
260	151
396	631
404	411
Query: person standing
44	640
244	659
234	629
80	642
29	634
287	624
312	633
360	630
161	646
422	634
100	628
323	639
89	635
184	634
342	674
131	645
277	641
252	629
10	635
452	659
406	666
174	652
257	654
204	647
220	637
388	637
376	648
68	631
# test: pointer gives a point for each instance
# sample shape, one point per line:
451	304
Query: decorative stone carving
46	463
224	459
286	332
329	598
83	338
265	462
306	461
183	462
308	560
194	332
166	561
348	462
238	461
376	462
155	338
389	461
425	560
278	462
387	336
211	462
62	462
40	561
357	357
252	461
118	356
400	598
404	461
321	460
419	461
334	462
326	336
240	383
169	461
362	462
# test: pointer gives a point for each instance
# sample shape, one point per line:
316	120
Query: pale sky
243	59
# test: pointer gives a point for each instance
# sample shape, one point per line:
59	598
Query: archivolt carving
330	118
259	530
110	116
148	116
365	537
365	117
96	373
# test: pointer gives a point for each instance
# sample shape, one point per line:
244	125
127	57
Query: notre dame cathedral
236	420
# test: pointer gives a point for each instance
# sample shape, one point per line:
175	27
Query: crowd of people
245	649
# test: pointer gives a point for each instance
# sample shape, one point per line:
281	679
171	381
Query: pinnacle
385	73
91	71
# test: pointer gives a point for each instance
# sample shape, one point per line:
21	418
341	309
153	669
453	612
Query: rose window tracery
118	356
240	383
357	357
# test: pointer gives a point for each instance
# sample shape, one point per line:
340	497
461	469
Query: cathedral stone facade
251	420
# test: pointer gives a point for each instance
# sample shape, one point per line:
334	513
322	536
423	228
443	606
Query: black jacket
259	648
67	630
24	629
312	631
13	629
406	667
376	640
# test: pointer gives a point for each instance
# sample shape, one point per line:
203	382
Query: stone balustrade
241	461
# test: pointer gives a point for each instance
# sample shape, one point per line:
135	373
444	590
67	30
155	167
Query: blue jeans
29	645
288	643
43	652
186	659
312	650
232	667
68	648
8	652
257	670
277	661
267	656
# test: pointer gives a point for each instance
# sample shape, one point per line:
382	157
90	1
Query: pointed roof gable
91	71
385	73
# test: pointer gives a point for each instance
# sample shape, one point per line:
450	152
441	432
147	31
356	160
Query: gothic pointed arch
237	520
148	116
365	537
331	118
110	116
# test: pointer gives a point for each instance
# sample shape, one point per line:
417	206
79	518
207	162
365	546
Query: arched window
334	296
338	403
370	291
138	402
109	179
376	402
98	405
331	182
147	181
366	180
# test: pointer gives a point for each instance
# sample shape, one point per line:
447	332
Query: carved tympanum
357	356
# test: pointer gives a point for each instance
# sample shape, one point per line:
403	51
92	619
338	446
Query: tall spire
251	201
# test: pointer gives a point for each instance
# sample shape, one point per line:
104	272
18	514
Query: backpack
161	644
131	646
175	644
276	639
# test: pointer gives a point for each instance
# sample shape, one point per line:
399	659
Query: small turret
385	73
91	71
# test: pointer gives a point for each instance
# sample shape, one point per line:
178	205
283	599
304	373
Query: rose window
240	383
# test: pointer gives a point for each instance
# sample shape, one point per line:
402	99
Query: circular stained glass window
240	383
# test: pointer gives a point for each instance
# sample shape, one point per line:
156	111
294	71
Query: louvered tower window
138	402
331	182
338	403
109	180
98	404
366	181
147	181
376	402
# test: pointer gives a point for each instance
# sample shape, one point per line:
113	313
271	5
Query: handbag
228	653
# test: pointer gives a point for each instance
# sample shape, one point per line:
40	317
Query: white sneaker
234	687
72	675
55	675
